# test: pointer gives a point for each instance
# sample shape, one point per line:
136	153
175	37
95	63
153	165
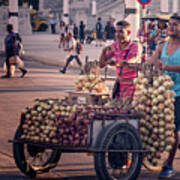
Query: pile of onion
91	83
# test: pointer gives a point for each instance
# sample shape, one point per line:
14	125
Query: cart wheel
124	165
32	160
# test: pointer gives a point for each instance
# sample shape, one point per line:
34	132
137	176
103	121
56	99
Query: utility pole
134	16
164	5
93	7
41	5
66	11
13	14
175	6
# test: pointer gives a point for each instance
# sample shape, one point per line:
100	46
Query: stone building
24	20
81	10
155	6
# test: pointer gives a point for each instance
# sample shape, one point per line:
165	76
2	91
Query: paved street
44	81
44	47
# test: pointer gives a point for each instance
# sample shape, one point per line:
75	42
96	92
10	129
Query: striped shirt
127	53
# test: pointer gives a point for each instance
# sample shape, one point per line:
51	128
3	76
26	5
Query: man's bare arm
155	59
171	68
104	58
69	49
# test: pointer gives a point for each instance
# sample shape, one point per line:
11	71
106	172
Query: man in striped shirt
122	50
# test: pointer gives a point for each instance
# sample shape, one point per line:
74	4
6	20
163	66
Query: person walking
161	35
109	30
76	32
62	32
151	36
74	50
69	29
99	32
123	50
53	25
82	32
166	57
12	52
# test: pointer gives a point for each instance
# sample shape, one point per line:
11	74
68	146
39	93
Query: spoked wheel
118	165
33	159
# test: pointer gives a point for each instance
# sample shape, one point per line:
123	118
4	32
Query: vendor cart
115	143
113	138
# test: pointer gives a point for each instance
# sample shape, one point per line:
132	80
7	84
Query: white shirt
72	44
70	28
62	30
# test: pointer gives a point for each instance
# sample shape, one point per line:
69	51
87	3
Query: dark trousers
70	58
53	29
8	65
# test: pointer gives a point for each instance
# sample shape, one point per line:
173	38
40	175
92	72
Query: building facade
156	6
81	10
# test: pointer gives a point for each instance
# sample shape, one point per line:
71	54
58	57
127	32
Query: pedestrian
74	50
12	52
89	37
53	26
62	32
69	29
151	38
82	32
142	32
99	32
76	32
166	57
109	30
161	35
122	50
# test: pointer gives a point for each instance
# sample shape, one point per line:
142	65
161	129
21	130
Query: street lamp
66	11
13	14
94	7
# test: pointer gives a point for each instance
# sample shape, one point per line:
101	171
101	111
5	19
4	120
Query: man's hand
122	63
108	48
160	65
111	62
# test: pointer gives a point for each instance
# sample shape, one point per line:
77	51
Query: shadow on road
14	176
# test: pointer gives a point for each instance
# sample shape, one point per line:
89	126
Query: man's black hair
99	18
175	16
123	23
9	27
